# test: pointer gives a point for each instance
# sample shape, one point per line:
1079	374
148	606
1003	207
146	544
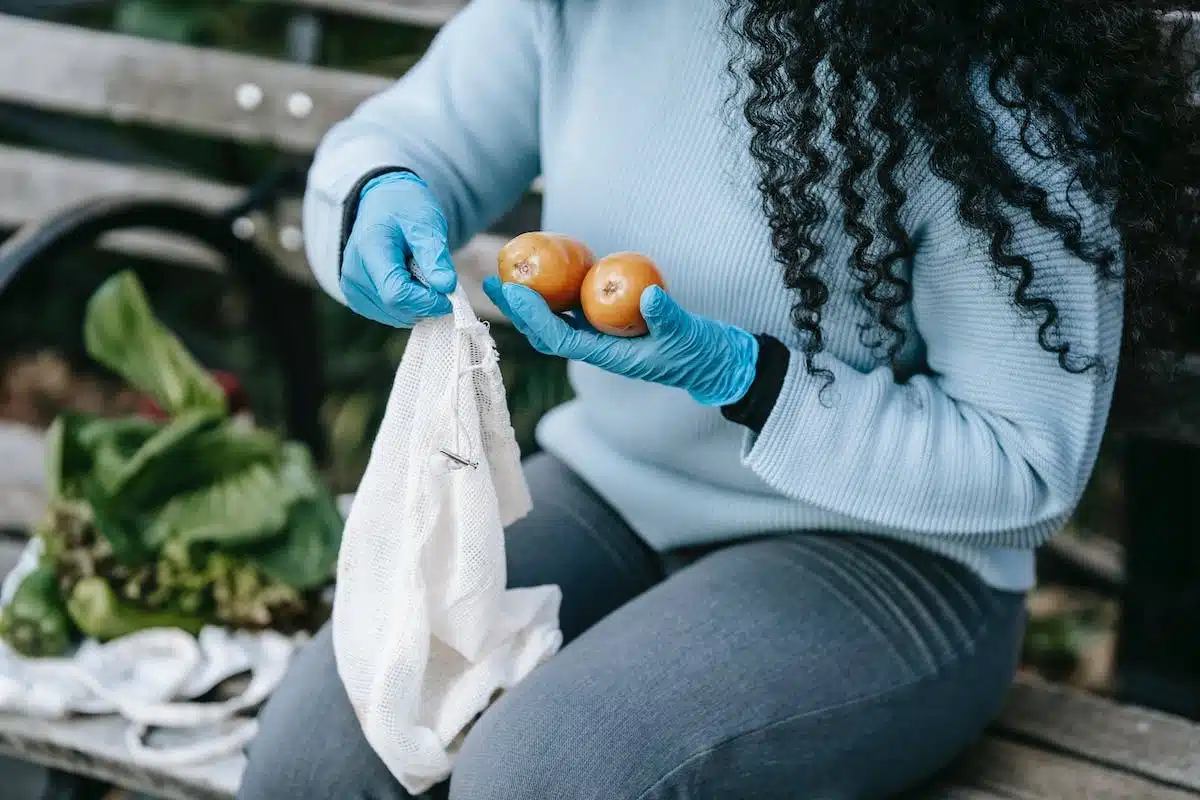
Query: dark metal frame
283	312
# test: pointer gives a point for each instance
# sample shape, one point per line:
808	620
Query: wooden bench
1049	742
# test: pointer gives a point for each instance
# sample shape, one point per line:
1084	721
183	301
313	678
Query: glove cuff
354	199
733	376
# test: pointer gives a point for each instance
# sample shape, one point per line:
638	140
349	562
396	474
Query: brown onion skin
611	294
552	264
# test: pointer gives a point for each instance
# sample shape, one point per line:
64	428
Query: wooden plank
1020	772
95	747
426	13
1153	745
248	99
36	184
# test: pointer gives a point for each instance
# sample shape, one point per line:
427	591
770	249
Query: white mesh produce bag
425	633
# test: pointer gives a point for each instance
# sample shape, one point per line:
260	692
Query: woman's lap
794	666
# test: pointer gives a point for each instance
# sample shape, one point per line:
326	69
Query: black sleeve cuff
753	410
350	209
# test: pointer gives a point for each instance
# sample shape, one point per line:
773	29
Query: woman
898	235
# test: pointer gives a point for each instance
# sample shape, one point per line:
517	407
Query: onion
552	264
612	292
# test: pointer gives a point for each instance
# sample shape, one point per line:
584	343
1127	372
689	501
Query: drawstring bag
425	633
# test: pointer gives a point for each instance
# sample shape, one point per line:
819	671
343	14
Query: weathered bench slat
95	747
1017	771
426	13
72	70
1156	746
38	184
994	769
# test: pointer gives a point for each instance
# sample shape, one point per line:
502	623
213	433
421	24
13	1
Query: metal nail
459	459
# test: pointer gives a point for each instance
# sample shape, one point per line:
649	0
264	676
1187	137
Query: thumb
664	317
431	261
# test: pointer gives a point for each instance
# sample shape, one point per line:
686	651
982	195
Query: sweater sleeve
994	445
464	118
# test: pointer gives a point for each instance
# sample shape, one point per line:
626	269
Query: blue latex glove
399	224
712	361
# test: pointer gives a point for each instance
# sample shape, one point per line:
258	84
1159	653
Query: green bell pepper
36	623
100	614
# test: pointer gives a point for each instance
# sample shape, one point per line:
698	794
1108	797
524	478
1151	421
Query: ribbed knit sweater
978	445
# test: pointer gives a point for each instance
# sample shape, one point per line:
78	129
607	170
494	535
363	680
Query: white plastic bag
149	678
424	630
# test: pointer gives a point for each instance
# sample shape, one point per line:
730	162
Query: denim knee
309	745
533	745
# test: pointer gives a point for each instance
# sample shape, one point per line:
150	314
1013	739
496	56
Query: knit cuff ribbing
753	410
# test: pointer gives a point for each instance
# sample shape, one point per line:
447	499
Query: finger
366	303
430	251
384	253
494	289
551	330
664	317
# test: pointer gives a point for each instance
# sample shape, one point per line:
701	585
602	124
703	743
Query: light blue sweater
621	106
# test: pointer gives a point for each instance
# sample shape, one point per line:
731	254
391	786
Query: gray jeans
795	667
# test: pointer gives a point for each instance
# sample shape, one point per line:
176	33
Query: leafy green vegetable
304	554
129	433
67	458
199	518
193	451
246	506
147	473
121	332
97	610
122	528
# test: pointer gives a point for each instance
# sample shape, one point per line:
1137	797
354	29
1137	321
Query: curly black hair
1107	83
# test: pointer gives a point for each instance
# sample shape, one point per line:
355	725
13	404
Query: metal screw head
291	238
243	227
299	104
249	96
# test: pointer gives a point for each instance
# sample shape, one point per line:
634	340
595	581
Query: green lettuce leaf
281	520
158	467
304	554
67	459
195	450
246	506
122	529
121	332
76	442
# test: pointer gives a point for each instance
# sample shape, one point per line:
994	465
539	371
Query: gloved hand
399	228
711	360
